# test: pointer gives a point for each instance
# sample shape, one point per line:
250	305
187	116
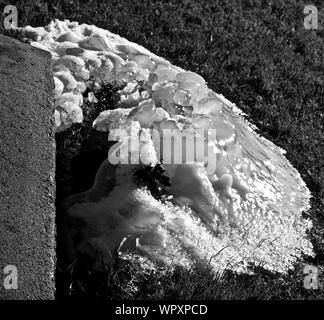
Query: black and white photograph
161	151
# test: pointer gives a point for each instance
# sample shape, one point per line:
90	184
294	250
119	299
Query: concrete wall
27	171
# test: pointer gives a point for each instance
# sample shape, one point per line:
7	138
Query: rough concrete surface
27	170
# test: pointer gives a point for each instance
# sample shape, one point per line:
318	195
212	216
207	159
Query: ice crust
246	211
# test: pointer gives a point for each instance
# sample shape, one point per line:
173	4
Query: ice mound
239	206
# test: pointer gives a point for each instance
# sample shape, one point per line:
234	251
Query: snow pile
239	205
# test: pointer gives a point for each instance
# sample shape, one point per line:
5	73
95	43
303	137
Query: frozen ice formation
240	207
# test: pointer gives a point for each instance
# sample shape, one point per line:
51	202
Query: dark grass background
259	56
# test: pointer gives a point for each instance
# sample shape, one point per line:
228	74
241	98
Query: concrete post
27	172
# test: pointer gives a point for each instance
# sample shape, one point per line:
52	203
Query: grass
259	56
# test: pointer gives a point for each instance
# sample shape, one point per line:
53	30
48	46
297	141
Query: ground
258	55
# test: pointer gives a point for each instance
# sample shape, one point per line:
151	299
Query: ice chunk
61	48
165	74
187	76
59	87
197	91
73	97
182	97
57	118
66	79
160	115
128	49
95	42
69	36
116	60
208	105
144	113
111	119
144	61
163	95
70	62
75	51
71	113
